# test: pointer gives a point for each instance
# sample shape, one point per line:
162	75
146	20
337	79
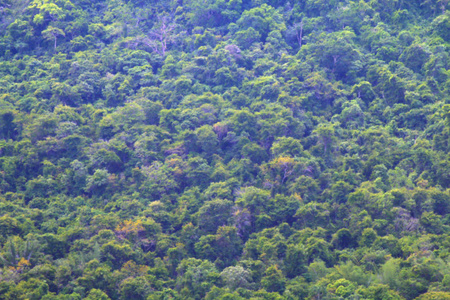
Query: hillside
224	149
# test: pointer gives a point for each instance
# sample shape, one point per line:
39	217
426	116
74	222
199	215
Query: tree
7	124
295	261
214	214
229	244
98	182
196	277
52	33
434	296
415	56
236	277
297	29
368	237
97	294
335	51
287	146
273	281
207	139
340	191
389	273
283	167
313	214
327	139
343	239
263	19
159	38
441	26
245	38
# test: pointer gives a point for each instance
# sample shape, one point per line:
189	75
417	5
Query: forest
225	149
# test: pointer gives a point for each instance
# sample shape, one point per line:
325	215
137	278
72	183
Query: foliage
224	149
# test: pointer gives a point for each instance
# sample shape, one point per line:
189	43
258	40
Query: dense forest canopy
224	149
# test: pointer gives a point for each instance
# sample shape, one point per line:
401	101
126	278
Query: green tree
236	277
273	281
52	33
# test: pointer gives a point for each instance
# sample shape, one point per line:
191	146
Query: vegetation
224	149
